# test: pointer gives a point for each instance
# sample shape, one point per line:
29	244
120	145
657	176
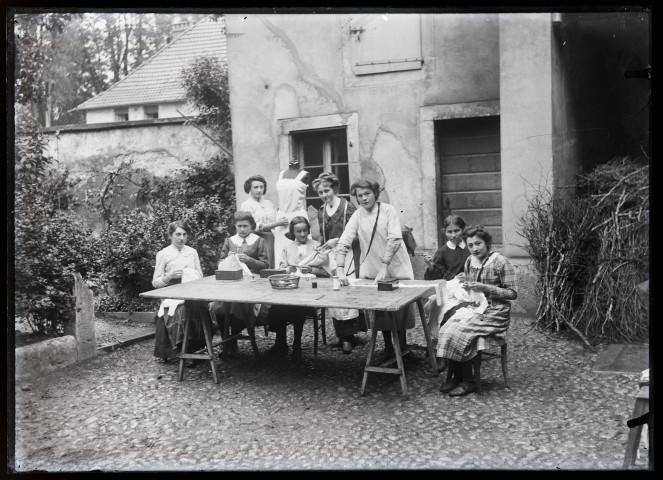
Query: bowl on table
284	281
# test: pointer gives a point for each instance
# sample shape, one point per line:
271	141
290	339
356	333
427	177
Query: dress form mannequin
293	170
291	188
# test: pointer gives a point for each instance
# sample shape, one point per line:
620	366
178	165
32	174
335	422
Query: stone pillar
526	109
83	328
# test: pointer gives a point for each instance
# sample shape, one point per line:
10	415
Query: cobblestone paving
122	411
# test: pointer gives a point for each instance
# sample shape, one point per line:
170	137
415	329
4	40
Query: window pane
341	171
339	150
313	148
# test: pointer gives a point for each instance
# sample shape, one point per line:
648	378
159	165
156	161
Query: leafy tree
206	84
63	59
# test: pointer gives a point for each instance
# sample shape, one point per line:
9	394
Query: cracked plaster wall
156	149
285	66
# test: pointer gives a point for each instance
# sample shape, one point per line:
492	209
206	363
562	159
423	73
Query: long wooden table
363	295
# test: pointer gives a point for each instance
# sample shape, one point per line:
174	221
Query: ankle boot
467	385
280	347
455	376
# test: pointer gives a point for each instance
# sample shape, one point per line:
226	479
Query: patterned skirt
457	338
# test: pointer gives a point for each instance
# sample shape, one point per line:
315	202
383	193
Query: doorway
468	171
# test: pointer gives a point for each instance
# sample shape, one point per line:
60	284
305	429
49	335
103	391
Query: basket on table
283	281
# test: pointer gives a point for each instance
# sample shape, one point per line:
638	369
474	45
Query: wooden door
469	180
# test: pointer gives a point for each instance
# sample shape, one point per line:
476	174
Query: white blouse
263	211
170	258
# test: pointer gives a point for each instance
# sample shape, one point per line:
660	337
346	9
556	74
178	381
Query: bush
51	242
203	196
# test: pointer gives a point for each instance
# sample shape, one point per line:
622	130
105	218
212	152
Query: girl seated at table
252	251
490	273
280	315
174	264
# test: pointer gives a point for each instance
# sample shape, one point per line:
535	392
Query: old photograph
328	240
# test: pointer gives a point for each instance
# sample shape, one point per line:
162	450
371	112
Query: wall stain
307	75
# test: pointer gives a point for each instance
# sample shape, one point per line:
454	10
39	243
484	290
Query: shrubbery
203	194
51	242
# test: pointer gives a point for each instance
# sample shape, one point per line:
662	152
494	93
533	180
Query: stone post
83	328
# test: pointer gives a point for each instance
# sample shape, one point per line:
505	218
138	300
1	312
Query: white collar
476	263
331	209
250	239
451	245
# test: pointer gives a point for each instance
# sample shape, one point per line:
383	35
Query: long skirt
457	338
346	328
241	315
380	320
170	329
281	315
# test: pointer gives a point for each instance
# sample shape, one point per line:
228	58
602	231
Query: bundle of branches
592	251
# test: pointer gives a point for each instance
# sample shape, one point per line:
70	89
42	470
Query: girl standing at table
332	218
280	315
384	253
489	272
176	263
252	251
263	212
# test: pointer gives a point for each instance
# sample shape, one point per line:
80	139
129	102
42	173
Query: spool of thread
314	284
336	285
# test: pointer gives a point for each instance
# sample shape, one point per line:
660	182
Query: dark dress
257	258
448	262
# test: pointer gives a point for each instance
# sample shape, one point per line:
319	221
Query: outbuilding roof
158	80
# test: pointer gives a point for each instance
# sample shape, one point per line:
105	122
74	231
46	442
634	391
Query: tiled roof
158	79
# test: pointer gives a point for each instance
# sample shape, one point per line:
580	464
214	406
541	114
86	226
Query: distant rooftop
158	79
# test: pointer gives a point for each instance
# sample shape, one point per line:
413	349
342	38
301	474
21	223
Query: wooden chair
486	347
318	317
641	408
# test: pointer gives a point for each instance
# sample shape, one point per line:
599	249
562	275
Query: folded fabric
170	304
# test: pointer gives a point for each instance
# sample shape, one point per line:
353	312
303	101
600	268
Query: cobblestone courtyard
122	411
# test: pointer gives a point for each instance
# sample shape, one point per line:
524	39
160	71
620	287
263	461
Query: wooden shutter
386	43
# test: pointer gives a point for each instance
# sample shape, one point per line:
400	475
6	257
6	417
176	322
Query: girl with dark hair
263	212
174	264
280	315
489	272
449	260
252	251
332	218
384	253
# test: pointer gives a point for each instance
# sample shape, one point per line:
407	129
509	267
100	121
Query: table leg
207	330
369	358
226	331
180	374
397	349
429	346
251	330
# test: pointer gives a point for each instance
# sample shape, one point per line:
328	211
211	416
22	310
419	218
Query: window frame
349	120
327	163
124	111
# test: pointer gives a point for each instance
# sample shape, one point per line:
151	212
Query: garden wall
78	344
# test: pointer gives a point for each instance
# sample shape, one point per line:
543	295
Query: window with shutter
386	43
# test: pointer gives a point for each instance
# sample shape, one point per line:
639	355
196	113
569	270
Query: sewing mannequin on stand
291	189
